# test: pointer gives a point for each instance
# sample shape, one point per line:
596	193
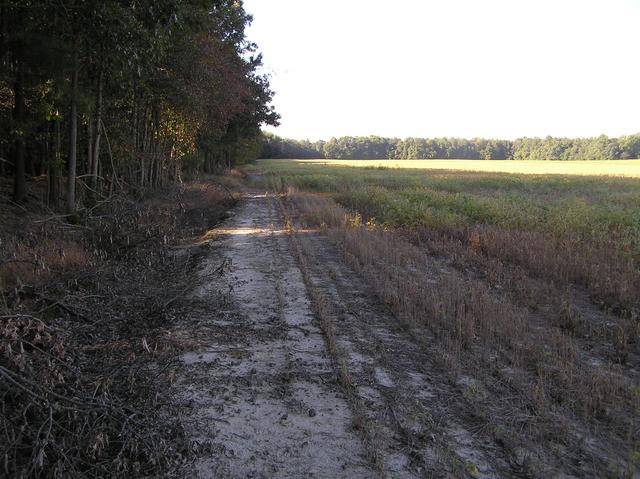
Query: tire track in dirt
260	398
275	392
417	426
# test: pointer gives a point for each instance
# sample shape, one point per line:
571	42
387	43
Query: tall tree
73	133
159	83
19	133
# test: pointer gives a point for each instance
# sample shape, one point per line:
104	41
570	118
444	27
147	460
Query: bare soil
298	371
261	398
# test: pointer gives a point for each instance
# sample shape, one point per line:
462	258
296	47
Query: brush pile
86	346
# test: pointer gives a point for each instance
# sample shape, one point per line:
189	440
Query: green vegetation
375	147
585	229
600	209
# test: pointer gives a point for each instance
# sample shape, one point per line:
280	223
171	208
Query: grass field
627	168
601	209
528	282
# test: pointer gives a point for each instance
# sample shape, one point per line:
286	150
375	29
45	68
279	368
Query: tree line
378	148
100	95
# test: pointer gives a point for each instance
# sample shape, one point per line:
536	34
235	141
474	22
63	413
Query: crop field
626	168
524	288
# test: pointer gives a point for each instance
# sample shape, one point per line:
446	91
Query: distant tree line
377	148
105	94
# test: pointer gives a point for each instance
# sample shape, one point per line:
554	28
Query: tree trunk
144	142
95	152
2	161
73	136
154	167
134	151
54	169
19	182
89	148
114	173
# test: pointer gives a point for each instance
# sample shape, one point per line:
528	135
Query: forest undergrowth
86	315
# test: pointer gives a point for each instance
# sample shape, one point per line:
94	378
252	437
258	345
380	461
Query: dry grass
34	259
321	309
611	277
527	283
86	339
490	332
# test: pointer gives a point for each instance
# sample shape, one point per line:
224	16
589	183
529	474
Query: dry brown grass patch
26	261
481	328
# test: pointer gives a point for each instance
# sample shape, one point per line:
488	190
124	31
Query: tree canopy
378	148
127	92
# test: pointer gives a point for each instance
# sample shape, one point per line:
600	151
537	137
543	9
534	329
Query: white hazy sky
464	68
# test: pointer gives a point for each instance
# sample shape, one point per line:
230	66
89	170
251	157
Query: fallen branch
57	303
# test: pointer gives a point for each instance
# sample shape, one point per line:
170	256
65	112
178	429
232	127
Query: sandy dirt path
261	398
268	394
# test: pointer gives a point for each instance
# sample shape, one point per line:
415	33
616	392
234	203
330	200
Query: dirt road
268	394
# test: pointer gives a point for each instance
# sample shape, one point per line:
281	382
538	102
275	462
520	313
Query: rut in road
264	397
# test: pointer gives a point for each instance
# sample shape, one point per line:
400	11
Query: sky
462	68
